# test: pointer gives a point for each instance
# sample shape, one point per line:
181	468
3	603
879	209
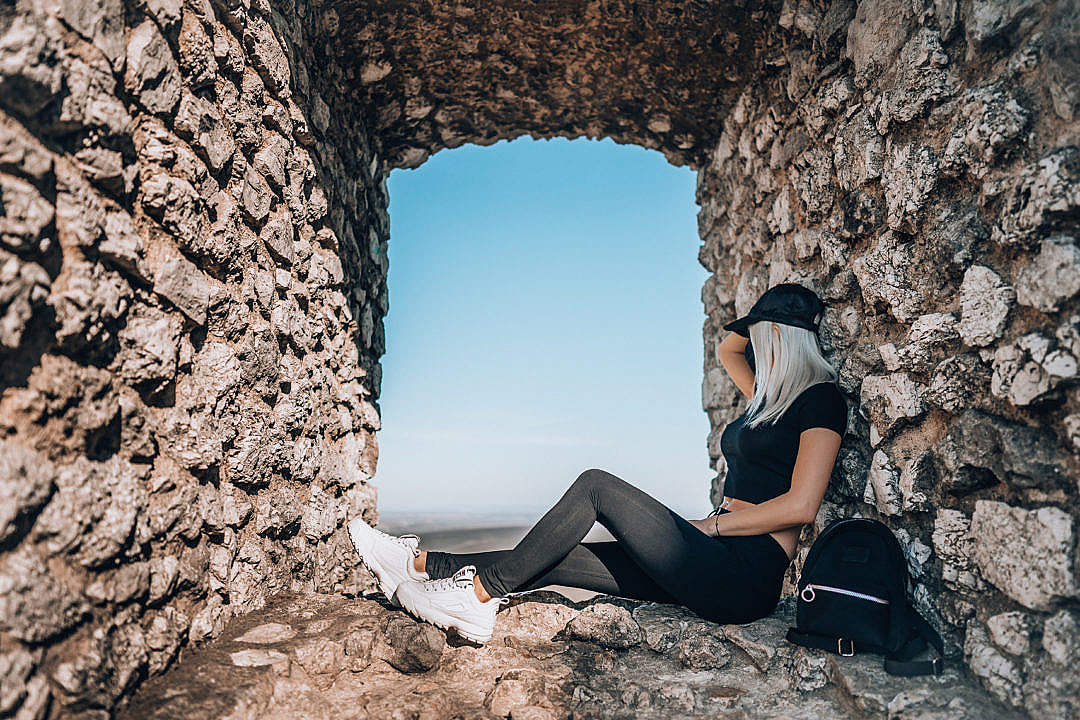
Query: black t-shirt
760	460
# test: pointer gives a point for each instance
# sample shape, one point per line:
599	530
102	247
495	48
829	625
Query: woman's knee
594	479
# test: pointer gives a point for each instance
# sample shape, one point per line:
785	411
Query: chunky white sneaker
389	557
452	603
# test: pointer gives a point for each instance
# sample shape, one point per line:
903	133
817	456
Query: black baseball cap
788	303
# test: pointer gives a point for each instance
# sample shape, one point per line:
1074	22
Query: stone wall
192	281
193	235
921	170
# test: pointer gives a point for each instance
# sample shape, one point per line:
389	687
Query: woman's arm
818	448
731	353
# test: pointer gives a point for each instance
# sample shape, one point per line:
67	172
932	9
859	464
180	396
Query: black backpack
852	597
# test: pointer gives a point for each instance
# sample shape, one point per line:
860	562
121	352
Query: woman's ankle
481	593
420	562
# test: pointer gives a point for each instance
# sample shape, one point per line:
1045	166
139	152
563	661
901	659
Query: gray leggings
657	555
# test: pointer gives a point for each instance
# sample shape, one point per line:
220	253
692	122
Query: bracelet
716	526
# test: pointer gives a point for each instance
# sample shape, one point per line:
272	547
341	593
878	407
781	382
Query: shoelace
460	580
403	539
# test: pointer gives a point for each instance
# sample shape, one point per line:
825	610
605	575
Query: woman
727	567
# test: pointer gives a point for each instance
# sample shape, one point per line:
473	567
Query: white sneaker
452	603
389	557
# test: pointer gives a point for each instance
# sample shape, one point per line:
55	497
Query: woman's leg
666	547
598	566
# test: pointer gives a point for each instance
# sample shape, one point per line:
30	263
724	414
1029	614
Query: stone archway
651	74
193	264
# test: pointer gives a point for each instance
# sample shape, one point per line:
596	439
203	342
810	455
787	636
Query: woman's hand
706	526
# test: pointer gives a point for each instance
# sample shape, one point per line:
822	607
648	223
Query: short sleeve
823	406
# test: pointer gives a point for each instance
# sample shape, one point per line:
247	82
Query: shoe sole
449	624
357	545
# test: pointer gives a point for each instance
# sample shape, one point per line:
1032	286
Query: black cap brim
739	326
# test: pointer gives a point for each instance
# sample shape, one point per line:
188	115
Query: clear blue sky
545	317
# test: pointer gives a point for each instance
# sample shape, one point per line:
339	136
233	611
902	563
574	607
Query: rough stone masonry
193	234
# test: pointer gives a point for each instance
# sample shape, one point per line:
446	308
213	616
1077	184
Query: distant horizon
545	317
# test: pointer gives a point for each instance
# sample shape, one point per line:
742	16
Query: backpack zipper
862	596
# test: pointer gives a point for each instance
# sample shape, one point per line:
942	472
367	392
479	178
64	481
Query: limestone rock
1061	638
34	605
203	122
98	510
26	214
268	633
909	177
89	302
955	382
277	511
175	203
149	348
814	182
268	56
1028	554
954	546
180	282
875	36
30	77
1052	277
278	234
921	78
413	647
883	485
980	450
607	625
1029	368
27	481
258	658
987	21
858	152
123	245
985	301
887	274
889	400
16	667
256	196
24	286
988	125
196	52
1011	631
704	650
929	335
101	22
1002	675
151	72
1044	193
271	159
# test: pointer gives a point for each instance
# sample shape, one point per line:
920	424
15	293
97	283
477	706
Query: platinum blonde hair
787	360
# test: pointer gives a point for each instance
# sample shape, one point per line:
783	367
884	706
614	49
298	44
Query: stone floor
328	656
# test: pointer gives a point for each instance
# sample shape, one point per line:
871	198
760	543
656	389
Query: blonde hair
785	363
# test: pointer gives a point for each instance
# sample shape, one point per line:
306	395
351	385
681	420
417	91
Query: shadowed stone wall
192	277
921	171
193	237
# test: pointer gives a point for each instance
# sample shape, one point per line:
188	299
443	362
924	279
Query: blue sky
545	317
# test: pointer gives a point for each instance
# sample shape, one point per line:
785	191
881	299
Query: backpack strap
896	663
900	662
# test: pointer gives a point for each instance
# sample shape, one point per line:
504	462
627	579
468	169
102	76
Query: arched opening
544	318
